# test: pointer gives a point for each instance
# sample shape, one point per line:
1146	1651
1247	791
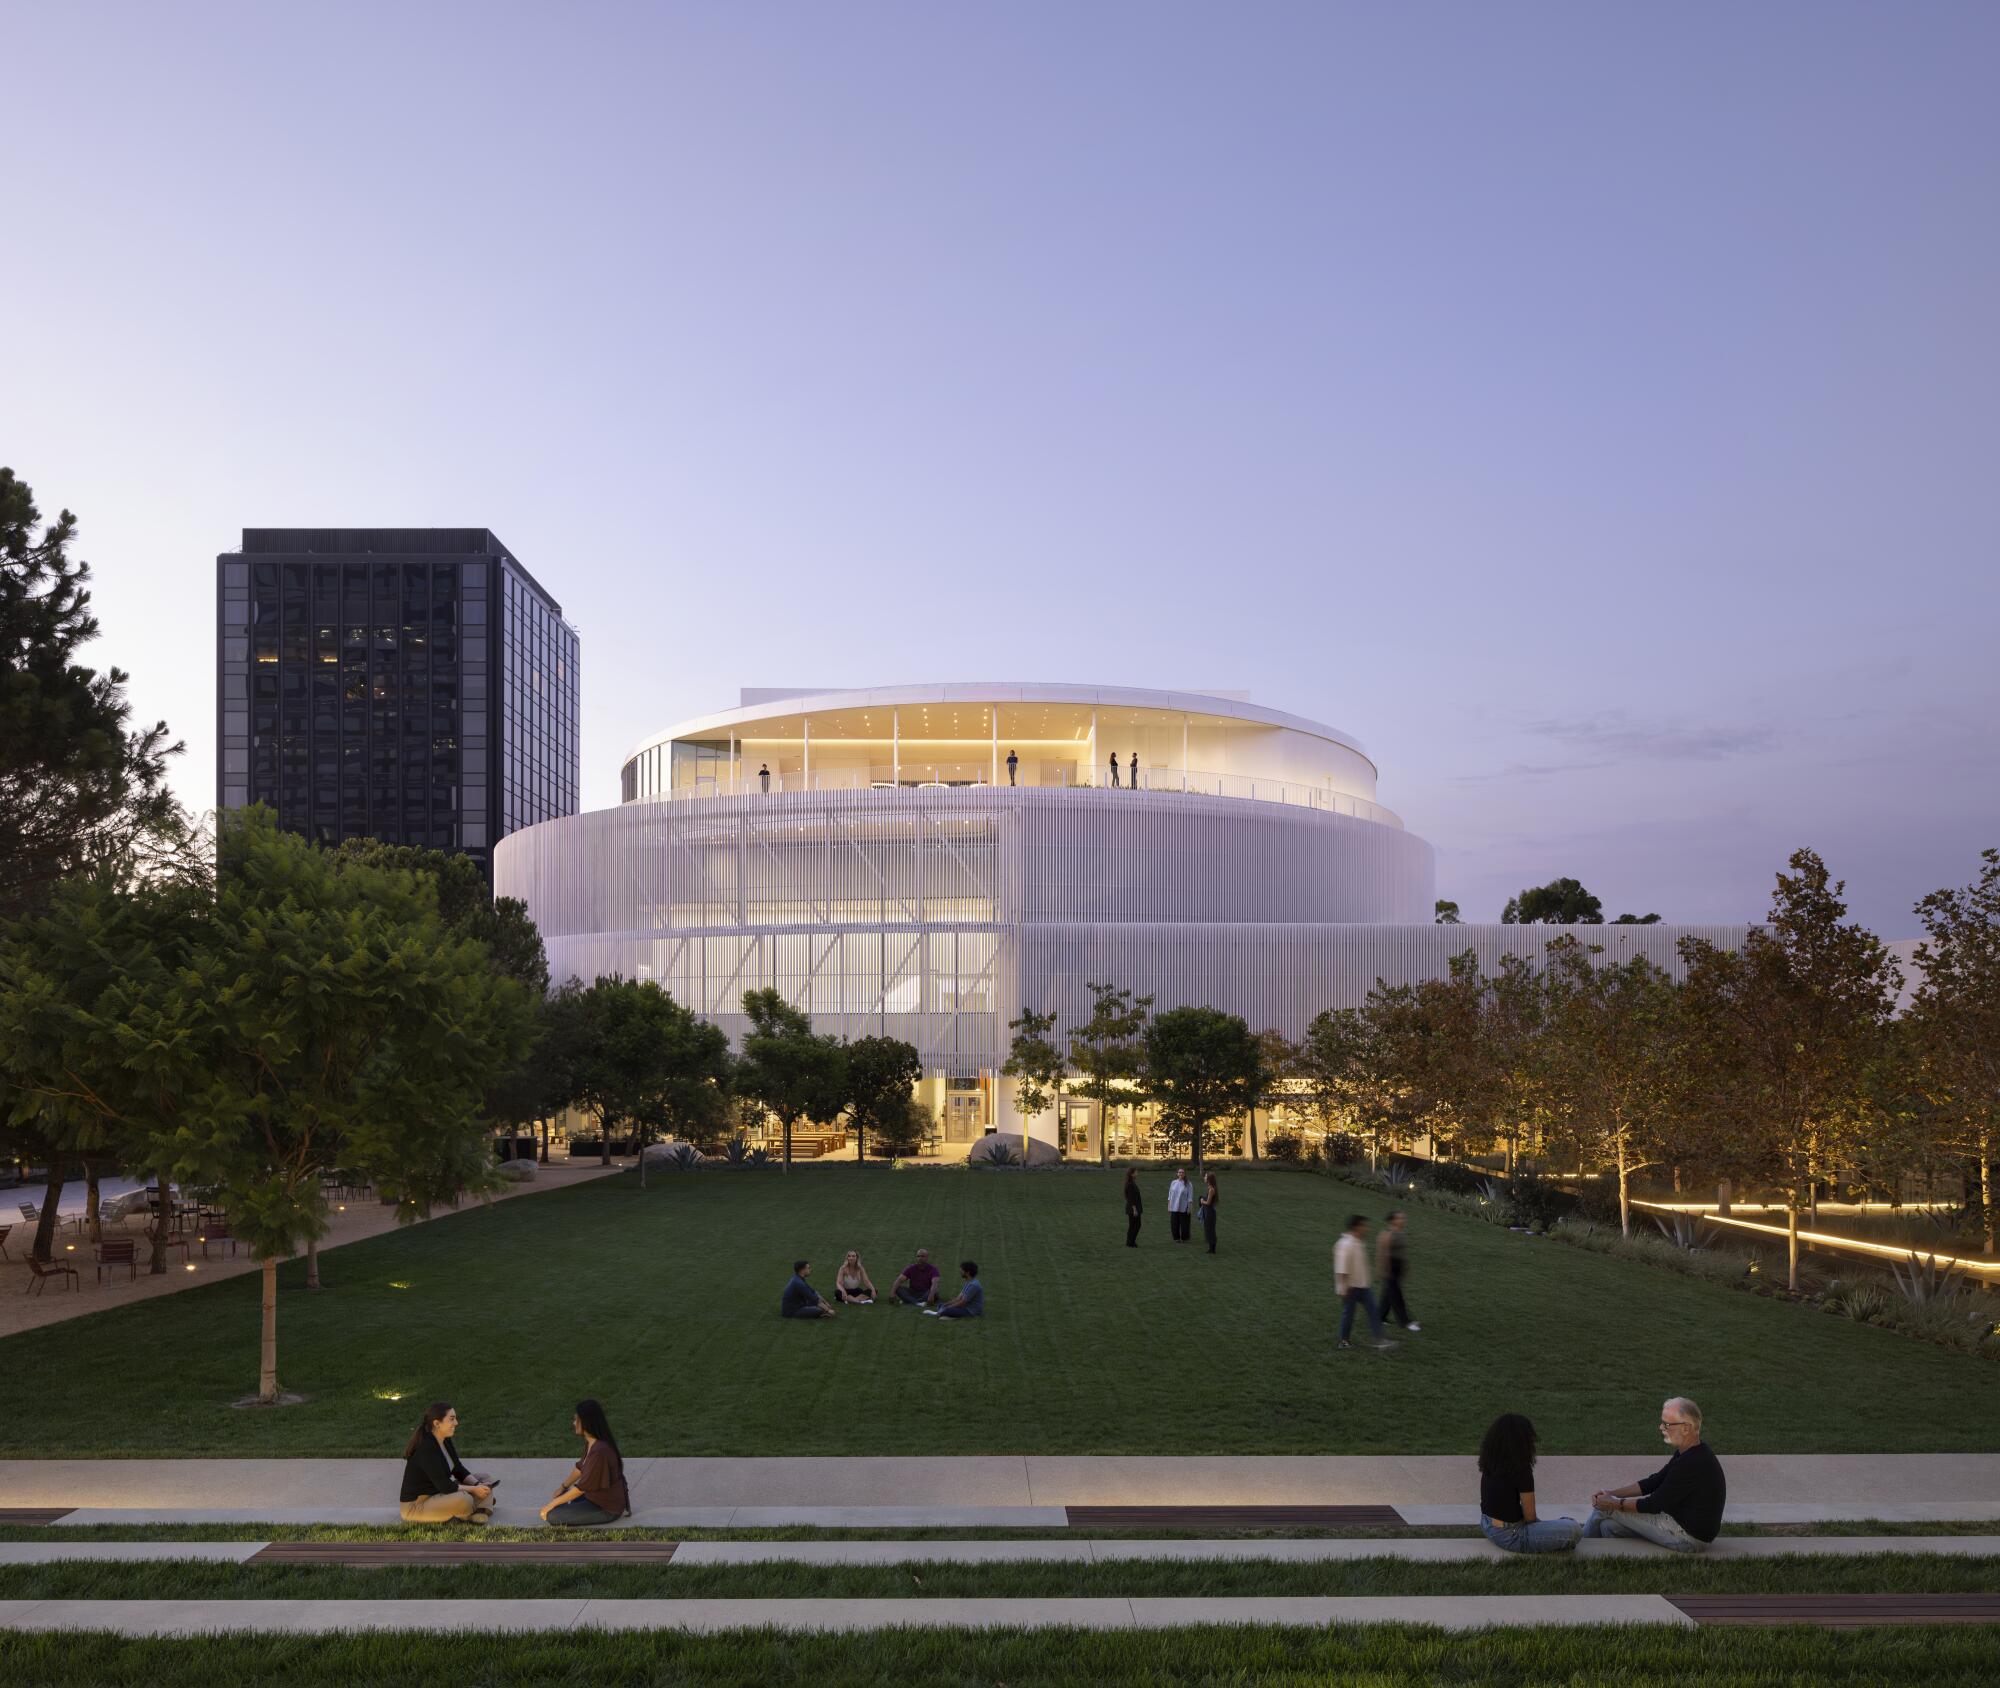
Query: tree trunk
542	1126
162	1222
787	1123
47	1225
1986	1191
1252	1127
267	1370
312	1263
1624	1192
1792	1241
93	1222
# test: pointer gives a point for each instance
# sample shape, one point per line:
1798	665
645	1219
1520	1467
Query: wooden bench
1838	1611
586	1550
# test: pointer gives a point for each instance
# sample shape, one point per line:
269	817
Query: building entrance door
964	1120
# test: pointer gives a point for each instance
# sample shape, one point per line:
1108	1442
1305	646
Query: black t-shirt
1500	1492
1689	1489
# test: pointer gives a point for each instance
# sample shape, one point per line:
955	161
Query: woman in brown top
594	1492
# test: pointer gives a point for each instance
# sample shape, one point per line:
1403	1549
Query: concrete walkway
315	1617
1422	1550
1010	1491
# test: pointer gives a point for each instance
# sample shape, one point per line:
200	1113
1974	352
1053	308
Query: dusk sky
1592	408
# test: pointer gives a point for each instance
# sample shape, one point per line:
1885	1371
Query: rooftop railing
1254	788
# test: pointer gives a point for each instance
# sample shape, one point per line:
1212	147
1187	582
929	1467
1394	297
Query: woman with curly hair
1507	1492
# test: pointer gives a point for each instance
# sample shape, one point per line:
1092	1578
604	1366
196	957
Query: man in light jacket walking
1350	1282
1180	1202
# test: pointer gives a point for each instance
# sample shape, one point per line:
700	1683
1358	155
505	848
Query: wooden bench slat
33	1514
1230	1517
1838	1611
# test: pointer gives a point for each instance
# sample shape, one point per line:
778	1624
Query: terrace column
896	747
807	719
994	777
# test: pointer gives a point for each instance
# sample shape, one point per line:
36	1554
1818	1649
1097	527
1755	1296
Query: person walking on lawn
1350	1282
1389	1263
1680	1505
1135	1207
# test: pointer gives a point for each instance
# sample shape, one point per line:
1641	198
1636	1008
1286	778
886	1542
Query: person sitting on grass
1507	1492
594	1492
1680	1505
433	1473
801	1300
851	1284
916	1284
970	1302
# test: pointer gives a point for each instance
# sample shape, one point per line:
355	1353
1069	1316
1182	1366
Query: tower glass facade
410	684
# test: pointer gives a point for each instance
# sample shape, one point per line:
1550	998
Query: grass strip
1159	1578
1271	1656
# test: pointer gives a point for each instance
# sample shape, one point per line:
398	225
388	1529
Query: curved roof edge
1126	697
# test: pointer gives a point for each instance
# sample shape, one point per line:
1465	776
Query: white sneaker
1413	1327
1385	1345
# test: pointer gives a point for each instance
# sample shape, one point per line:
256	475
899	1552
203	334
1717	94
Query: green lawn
918	1578
663	1303
1378	1655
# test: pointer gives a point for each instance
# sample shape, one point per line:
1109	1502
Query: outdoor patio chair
217	1233
4	1229
124	1252
40	1271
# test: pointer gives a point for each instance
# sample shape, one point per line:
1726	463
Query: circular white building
924	862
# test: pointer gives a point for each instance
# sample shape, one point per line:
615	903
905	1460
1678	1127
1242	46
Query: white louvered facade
936	911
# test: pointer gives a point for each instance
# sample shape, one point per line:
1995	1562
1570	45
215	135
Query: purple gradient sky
1591	407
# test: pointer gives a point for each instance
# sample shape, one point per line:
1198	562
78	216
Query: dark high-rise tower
409	684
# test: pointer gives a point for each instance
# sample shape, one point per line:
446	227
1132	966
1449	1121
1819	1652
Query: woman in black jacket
1133	1208
433	1474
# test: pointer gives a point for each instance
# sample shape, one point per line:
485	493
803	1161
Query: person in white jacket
1180	1202
1350	1281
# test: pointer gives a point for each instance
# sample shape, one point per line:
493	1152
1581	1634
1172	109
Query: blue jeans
581	1511
1365	1298
1659	1528
1544	1535
956	1313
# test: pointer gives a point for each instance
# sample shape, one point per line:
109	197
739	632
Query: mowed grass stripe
1385	1656
662	1303
263	1579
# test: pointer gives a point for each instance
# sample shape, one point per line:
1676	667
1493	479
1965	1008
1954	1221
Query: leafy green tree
1107	1054
466	905
648	1064
1281	1073
1038	1066
1201	1066
72	1093
881	1072
551	1077
1782	1034
309	1018
1446	913
78	784
1955	1019
794	1072
901	1131
1343	1077
1561	902
1611	1044
1637	920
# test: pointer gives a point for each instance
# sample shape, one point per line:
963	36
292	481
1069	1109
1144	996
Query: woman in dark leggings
1208	1209
594	1492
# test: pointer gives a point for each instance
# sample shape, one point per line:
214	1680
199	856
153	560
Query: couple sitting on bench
1679	1506
915	1286
438	1489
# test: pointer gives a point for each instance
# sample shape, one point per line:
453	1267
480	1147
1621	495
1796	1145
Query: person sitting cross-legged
916	1285
1507	1492
852	1287
970	1302
801	1300
437	1489
1680	1505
